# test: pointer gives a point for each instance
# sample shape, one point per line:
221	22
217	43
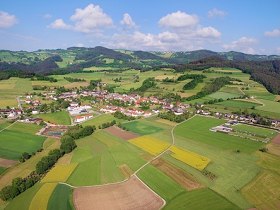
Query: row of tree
172	117
120	115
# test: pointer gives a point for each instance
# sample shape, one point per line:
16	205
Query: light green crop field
142	127
270	106
19	138
11	88
60	118
162	184
100	156
229	170
99	120
23	200
200	199
61	198
238	104
198	129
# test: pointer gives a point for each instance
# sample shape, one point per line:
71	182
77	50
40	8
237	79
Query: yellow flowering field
41	199
192	159
59	173
150	144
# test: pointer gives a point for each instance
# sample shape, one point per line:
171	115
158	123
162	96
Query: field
41	198
257	131
101	157
197	161
142	128
19	138
118	132
99	120
61	198
149	144
200	199
60	118
131	194
59	173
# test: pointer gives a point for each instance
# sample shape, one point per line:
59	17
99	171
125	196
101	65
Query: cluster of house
238	118
37	121
80	113
10	113
131	112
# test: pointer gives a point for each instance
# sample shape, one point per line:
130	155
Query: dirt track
116	131
276	139
130	195
7	163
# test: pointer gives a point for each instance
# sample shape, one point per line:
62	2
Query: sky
249	26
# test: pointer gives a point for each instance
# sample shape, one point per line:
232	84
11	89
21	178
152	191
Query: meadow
20	138
60	118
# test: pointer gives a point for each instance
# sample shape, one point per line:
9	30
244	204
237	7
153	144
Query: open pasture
195	160
142	127
150	144
131	194
255	131
200	199
270	106
198	129
60	118
101	156
61	198
19	138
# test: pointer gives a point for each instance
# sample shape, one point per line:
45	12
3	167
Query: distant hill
263	68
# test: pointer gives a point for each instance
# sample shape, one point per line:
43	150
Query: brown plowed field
130	195
7	163
180	176
276	139
116	131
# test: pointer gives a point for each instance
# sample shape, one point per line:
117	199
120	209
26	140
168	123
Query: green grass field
162	184
23	200
61	117
238	104
270	106
200	199
100	156
198	129
99	120
61	198
19	138
142	127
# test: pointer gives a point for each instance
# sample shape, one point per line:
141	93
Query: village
131	105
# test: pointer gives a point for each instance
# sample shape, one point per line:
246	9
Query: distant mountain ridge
262	68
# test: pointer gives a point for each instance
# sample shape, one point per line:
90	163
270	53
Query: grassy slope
200	199
23	200
61	198
142	127
19	138
100	156
61	118
229	170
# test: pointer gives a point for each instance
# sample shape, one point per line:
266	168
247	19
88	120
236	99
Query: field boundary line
167	149
8	126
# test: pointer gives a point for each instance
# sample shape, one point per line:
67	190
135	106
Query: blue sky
251	26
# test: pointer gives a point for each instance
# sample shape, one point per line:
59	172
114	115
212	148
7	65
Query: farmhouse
79	119
222	129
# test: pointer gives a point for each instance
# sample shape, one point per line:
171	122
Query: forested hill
265	72
262	68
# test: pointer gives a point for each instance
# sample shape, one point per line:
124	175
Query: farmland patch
131	194
116	131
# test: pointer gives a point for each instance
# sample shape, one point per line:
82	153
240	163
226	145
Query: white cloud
90	18
273	33
168	37
127	21
59	24
244	44
7	20
178	20
216	13
208	32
